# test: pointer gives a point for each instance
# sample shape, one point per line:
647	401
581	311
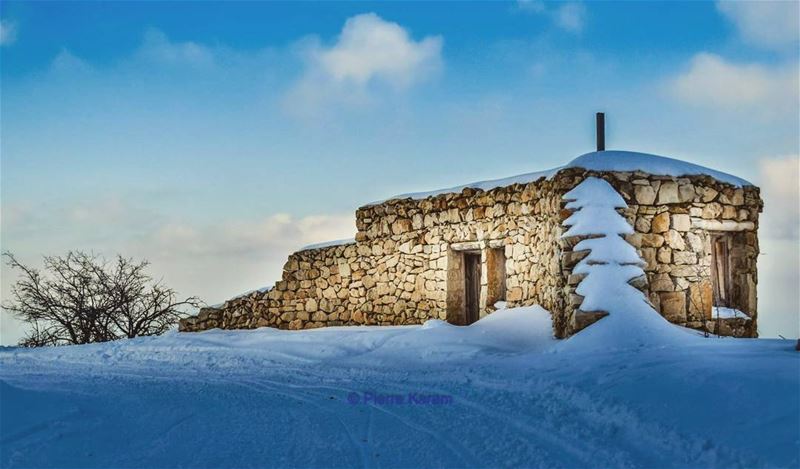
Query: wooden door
472	287
721	273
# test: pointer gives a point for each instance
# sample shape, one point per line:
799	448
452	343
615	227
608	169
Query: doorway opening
472	286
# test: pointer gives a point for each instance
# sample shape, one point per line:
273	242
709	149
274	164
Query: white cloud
569	16
531	6
780	186
773	24
159	48
713	82
8	32
277	234
369	52
371	48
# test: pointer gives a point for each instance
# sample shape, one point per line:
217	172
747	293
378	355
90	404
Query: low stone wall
675	220
316	289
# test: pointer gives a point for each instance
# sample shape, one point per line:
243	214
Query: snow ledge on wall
327	244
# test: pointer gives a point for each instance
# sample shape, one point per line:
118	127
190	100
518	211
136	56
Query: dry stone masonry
410	257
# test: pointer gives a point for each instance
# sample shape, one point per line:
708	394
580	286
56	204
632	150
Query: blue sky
214	138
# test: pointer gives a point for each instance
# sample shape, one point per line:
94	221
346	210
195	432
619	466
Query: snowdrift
515	397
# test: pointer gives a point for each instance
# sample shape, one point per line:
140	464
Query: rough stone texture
405	265
670	221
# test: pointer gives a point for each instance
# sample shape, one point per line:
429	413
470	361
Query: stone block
644	195
649	257
675	240
660	223
686	193
681	222
707	194
514	294
652	240
711	211
642	225
684	257
664	255
673	306
700	300
661	283
570	258
668	193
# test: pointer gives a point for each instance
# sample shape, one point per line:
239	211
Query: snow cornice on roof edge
605	161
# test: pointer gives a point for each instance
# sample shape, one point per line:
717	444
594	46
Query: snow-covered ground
498	393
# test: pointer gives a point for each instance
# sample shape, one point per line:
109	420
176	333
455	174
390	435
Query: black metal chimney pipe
601	131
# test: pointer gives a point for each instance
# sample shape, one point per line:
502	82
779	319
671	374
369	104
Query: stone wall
675	220
405	265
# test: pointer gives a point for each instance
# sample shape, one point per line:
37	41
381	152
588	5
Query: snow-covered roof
616	160
610	160
327	244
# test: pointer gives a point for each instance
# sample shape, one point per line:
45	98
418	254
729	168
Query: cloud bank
772	24
714	82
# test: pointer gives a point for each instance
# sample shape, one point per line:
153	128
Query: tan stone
695	242
634	239
652	240
286	317
319	316
681	222
649	257
515	294
708	194
642	225
684	258
668	193
645	195
712	210
570	258
664	255
311	305
673	306
296	325
675	240
738	197
728	212
661	282
686	193
401	226
660	223
700	299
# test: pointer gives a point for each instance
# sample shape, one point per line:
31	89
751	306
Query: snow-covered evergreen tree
610	265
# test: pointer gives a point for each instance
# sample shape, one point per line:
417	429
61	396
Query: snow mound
617	160
611	264
610	160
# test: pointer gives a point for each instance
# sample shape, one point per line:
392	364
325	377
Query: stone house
454	254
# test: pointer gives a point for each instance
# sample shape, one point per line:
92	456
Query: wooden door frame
722	294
